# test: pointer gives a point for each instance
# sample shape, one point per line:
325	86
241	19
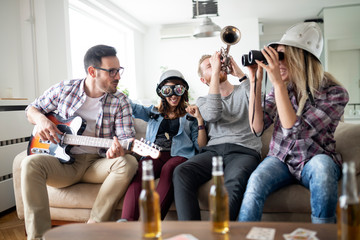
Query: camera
249	59
245	60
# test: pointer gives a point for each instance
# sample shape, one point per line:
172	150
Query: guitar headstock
145	148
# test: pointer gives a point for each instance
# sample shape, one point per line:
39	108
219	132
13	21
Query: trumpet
230	35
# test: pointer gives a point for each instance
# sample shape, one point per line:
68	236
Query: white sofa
291	203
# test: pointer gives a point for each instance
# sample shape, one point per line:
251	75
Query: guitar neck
92	141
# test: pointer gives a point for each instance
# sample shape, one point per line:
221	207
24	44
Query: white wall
50	37
342	53
34	46
341	29
10	48
184	53
51	42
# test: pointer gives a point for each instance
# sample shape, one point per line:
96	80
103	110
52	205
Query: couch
292	203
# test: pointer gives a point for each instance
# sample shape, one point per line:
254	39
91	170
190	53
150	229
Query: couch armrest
17	183
347	136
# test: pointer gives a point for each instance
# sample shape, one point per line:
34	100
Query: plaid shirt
313	131
114	118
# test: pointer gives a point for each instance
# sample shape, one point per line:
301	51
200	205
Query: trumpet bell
230	35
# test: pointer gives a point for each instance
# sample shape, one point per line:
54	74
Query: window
91	25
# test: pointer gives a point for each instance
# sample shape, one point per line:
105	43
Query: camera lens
245	60
254	54
257	55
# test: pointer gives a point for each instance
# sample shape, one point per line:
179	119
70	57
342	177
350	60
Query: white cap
305	35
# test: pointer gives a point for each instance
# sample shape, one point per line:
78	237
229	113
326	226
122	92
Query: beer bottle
218	198
149	203
349	205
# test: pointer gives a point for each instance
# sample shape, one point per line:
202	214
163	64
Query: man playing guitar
108	114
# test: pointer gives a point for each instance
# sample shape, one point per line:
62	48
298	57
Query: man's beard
223	76
111	89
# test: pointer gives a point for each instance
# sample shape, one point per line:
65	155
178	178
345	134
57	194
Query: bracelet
242	78
201	127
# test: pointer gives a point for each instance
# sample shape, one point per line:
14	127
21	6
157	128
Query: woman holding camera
179	135
305	105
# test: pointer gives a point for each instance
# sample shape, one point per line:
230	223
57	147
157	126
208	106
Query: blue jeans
320	175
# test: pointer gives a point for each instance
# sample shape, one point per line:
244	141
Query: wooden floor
11	228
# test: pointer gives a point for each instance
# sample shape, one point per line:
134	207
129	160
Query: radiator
15	131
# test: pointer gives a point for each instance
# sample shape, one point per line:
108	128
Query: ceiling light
207	29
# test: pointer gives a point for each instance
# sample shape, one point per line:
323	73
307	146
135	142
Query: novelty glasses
168	91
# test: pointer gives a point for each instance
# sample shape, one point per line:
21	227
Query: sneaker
122	220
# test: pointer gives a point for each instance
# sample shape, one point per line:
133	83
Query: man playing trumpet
225	110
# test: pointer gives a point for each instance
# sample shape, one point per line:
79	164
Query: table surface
199	229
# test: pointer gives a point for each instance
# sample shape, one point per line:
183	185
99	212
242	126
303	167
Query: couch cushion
294	198
265	140
347	137
140	128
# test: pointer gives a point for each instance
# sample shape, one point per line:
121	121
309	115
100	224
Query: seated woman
169	127
305	106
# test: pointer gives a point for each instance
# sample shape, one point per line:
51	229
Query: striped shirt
313	131
114	118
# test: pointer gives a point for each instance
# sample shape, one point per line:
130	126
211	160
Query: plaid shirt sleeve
270	109
48	101
117	117
325	116
313	132
124	123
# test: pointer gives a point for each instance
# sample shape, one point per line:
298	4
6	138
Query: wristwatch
201	127
242	78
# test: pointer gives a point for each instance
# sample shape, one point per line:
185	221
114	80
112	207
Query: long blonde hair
316	76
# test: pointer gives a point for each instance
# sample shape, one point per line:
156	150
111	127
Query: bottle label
217	173
147	178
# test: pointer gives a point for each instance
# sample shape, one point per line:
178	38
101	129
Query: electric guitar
72	130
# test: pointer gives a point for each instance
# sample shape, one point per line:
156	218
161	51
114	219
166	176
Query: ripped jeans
320	175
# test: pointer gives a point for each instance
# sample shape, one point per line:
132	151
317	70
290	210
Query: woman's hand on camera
272	68
255	70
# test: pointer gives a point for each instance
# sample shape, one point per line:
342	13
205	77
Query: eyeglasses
112	71
168	91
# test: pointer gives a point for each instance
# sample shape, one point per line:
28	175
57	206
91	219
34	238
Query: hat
305	35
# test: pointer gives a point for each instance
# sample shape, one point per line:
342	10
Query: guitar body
74	126
72	130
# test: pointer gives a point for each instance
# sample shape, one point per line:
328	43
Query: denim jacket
184	143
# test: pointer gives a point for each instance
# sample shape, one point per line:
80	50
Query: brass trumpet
230	35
